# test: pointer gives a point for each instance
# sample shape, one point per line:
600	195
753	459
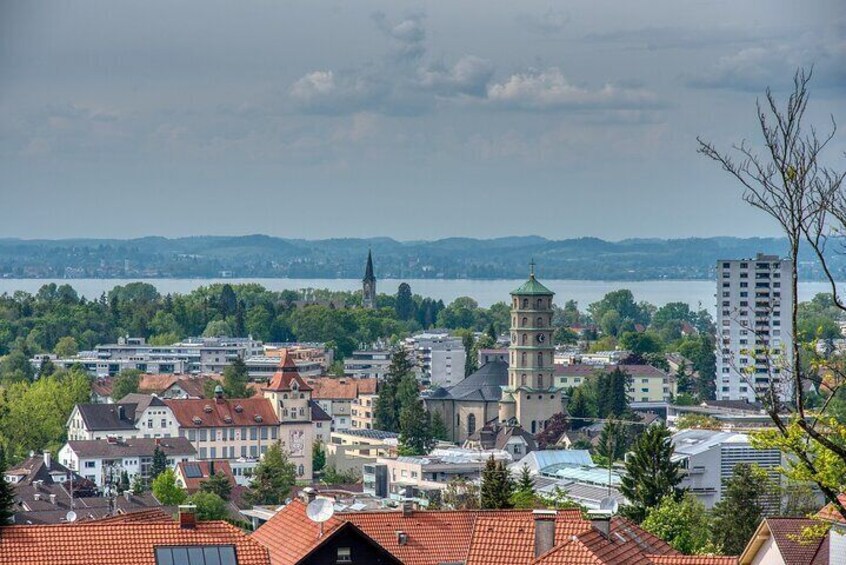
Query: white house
103	461
134	416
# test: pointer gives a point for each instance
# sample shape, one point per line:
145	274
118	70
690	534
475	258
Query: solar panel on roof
196	555
192	471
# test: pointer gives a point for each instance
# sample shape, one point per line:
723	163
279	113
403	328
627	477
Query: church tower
368	299
531	397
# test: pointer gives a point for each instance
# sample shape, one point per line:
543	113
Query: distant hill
451	258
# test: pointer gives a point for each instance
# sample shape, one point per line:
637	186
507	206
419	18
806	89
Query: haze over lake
485	292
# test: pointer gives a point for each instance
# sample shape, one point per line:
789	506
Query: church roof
532	287
368	272
485	385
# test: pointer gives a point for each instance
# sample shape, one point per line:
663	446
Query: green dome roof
532	286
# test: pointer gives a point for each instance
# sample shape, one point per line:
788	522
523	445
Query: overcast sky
420	120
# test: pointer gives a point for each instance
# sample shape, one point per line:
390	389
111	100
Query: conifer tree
388	404
159	463
650	472
579	409
741	509
439	429
497	485
7	493
218	484
415	430
235	379
273	478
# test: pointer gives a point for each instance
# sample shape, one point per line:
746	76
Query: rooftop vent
227	419
207	409
198	420
258	418
239	408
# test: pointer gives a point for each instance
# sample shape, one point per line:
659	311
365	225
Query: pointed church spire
368	272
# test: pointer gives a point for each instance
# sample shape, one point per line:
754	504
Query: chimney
601	521
48	460
187	516
36	496
308	494
211	468
52	498
544	530
127	495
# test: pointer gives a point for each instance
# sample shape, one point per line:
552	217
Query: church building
368	298
521	392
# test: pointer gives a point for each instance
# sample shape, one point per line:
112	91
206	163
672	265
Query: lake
485	292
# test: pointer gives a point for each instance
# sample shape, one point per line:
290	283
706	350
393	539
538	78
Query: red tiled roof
192	484
286	375
148	383
693	559
345	388
148	516
223	412
433	536
496	540
787	534
118	542
829	512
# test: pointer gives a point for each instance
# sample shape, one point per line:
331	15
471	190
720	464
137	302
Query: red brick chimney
187	516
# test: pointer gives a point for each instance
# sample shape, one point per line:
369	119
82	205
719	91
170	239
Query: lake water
485	292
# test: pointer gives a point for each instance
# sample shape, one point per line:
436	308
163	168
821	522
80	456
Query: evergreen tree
497	485
166	490
612	398
138	484
579	408
218	484
415	430
159	463
209	505
7	493
524	492
405	307
650	473
388	404
124	482
683	523
235	379
47	367
525	483
741	509
470	362
613	441
272	479
439	429
318	457
492	333
228	301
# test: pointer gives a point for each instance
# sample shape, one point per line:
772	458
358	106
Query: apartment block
754	329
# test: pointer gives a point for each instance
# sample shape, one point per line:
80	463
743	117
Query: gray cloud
550	22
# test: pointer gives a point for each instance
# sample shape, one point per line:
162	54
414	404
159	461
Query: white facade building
136	416
440	357
709	458
754	329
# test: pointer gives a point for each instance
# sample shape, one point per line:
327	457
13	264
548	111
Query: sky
411	120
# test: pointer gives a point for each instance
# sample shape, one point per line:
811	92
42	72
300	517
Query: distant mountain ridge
452	258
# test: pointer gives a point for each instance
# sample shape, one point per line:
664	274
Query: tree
439	429
612	398
235	379
332	476
138	485
683	523
790	182
7	493
66	347
579	408
415	430
272	479
613	441
497	485
555	427
209	505
405	307
218	483
524	490
651	474
166	490
388	404
124	485
159	463
47	367
318	456
737	515
694	420
470	362
126	382
461	494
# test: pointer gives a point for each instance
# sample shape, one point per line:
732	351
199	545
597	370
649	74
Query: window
344	555
471	424
525	303
90	464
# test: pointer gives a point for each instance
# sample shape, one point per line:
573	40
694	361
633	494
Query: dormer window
294	385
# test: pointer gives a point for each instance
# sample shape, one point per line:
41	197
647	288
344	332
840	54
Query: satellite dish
319	510
609	504
71	516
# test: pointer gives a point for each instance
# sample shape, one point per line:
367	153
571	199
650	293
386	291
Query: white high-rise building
754	329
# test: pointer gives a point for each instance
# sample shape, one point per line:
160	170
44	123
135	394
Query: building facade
754	328
532	396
